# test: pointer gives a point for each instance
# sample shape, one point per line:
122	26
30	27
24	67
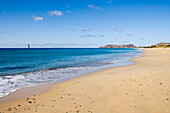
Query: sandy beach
143	87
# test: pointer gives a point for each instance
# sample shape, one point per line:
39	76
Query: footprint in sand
29	102
9	109
27	99
15	108
36	110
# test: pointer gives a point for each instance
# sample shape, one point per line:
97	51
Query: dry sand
143	87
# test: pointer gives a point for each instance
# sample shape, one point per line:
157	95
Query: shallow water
22	67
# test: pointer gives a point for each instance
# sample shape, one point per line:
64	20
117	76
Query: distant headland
118	46
159	45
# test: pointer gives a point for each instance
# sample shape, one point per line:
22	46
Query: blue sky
83	23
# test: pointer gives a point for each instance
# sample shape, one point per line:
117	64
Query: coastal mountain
159	45
118	46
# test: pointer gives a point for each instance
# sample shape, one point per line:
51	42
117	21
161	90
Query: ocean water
22	67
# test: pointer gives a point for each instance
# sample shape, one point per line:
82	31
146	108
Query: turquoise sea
20	67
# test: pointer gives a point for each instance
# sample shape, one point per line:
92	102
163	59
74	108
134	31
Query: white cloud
37	18
87	29
55	12
95	7
116	29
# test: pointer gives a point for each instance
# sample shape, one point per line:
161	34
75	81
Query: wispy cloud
37	18
109	1
128	34
3	32
116	29
46	45
88	36
95	7
4	12
13	45
74	30
101	35
87	29
68	11
125	41
67	6
55	12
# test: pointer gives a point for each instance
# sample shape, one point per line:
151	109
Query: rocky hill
159	45
162	44
118	46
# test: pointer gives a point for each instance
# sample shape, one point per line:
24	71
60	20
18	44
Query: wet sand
143	87
27	92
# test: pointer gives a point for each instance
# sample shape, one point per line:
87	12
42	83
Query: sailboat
28	46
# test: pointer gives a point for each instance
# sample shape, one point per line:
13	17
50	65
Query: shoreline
142	87
44	87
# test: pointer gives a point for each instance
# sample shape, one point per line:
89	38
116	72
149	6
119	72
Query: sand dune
143	87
